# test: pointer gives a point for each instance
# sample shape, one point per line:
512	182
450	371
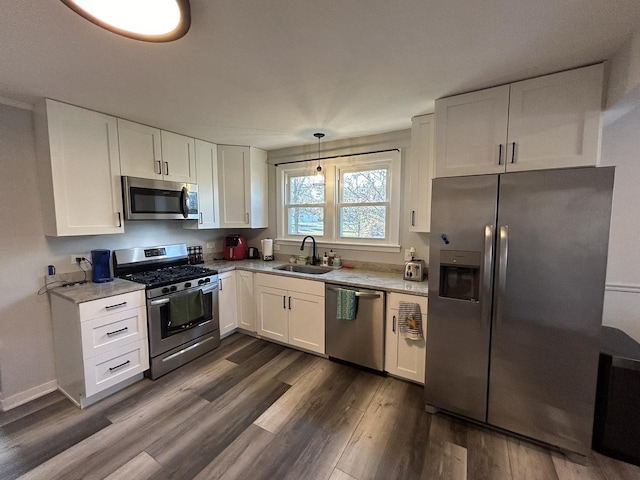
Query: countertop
390	282
89	291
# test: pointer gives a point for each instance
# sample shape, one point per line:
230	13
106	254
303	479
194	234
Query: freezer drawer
359	341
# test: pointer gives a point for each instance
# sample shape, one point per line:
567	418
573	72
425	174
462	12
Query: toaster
415	270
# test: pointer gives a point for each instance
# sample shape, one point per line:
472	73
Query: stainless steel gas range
182	303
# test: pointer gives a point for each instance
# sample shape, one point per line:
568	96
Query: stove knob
165	290
200	282
173	288
207	280
187	285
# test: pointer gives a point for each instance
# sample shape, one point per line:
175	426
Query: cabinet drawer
394	299
108	369
103	334
290	284
109	305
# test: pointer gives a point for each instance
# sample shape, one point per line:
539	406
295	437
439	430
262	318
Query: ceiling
269	73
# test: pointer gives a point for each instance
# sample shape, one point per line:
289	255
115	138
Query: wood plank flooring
256	410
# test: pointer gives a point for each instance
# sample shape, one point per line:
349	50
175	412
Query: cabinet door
207	180
471	132
227	302
404	357
554	121
272	313
140	150
306	321
234	178
178	157
420	173
246	302
258	198
79	170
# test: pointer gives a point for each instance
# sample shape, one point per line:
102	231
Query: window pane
363	222
364	186
302	190
305	220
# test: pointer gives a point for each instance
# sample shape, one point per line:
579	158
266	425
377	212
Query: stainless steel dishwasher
361	340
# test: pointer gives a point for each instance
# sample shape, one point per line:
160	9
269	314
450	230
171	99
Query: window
305	206
358	203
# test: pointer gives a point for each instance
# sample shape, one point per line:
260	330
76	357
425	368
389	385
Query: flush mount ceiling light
147	20
319	177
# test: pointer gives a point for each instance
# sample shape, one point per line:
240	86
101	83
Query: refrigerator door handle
486	274
503	255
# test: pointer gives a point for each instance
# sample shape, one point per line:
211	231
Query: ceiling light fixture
147	20
319	176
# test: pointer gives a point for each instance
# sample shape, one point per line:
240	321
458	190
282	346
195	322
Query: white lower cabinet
100	346
246	302
290	311
404	357
227	302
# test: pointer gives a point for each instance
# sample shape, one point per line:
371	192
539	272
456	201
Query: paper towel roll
267	249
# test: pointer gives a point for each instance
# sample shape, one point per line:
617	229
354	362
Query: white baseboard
28	395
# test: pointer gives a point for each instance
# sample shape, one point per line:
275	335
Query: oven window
149	200
169	327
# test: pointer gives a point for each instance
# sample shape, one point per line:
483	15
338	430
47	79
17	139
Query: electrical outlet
79	255
407	254
276	247
210	246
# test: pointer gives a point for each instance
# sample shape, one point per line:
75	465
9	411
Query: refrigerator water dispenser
460	275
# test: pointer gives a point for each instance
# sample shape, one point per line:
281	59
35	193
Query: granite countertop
89	291
390	282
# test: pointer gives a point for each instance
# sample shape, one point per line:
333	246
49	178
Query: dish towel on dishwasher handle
410	321
347	304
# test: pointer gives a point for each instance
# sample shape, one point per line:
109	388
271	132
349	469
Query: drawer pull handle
111	369
117	305
116	332
394	324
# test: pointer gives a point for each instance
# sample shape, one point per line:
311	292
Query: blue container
100	260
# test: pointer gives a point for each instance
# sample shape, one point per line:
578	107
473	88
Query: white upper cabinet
140	150
178	157
555	121
547	122
420	172
148	152
471	130
79	170
207	180
242	187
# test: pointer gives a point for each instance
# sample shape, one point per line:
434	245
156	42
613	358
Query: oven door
162	338
146	199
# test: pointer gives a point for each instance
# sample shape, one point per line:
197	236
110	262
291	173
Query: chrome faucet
313	250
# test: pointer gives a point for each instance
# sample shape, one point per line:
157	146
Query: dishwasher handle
358	294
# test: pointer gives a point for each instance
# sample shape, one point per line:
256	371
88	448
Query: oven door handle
162	301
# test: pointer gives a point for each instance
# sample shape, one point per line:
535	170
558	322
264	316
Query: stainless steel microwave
146	199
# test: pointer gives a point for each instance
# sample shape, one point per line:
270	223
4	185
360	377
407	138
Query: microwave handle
184	197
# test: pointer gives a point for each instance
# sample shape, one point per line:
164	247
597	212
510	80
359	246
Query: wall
385	141
26	345
621	147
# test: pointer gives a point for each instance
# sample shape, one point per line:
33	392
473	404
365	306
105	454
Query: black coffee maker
101	271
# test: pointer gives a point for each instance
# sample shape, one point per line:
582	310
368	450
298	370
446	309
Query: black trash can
616	429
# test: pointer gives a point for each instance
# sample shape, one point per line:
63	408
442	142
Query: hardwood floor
257	410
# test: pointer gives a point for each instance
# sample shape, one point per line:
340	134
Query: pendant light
147	20
318	178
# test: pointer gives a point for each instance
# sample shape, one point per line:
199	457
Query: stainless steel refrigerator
516	285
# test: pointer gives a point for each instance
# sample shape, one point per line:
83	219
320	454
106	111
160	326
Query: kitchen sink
312	269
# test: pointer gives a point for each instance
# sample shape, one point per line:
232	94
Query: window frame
333	169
